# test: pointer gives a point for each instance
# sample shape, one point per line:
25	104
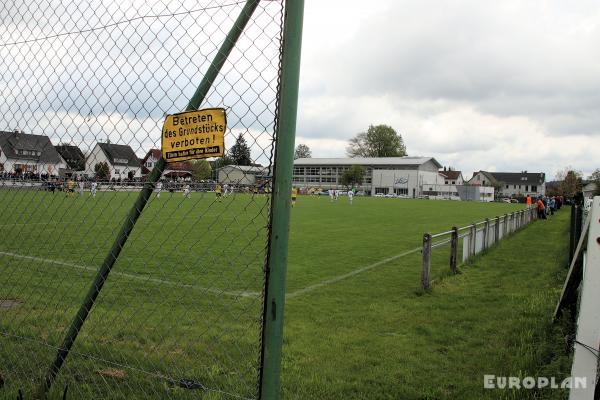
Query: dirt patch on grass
113	373
6	304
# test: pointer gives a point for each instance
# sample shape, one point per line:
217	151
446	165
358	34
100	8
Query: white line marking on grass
131	276
39	223
339	278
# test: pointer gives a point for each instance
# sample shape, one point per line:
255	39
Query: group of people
70	187
334	194
546	205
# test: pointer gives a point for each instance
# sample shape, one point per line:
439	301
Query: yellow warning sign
194	134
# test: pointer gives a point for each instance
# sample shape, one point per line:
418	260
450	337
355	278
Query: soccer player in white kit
350	195
331	194
158	189
186	191
93	188
80	184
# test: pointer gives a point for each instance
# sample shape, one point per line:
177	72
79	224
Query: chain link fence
84	90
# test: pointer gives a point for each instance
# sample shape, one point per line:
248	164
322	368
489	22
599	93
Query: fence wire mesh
84	90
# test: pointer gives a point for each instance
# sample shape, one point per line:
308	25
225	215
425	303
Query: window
298	170
446	182
149	164
526	188
313	171
298	179
533	188
514	186
401	191
454	182
381	190
117	171
507	186
25	168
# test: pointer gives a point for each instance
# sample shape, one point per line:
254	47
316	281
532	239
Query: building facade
121	160
512	184
74	159
403	176
242	175
22	153
176	170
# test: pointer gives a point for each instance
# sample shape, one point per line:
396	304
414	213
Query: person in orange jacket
541	209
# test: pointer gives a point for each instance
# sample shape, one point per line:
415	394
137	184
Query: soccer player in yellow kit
70	188
294	196
218	192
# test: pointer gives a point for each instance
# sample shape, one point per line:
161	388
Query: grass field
183	301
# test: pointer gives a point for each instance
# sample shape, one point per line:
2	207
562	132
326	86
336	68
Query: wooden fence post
505	225
486	231
472	239
572	241
426	261
497	230
453	249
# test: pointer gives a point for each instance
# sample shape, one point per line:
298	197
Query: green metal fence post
276	265
140	203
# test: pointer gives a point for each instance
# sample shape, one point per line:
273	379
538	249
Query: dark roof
12	142
519	178
72	155
450	174
156	153
120	154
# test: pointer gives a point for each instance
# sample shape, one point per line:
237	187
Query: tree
353	176
569	181
240	152
201	170
223	161
302	151
102	170
377	141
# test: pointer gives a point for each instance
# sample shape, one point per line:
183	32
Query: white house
452	177
25	153
510	184
121	160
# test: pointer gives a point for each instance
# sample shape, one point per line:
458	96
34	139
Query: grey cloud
501	56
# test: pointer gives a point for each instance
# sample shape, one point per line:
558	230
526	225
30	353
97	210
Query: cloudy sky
497	86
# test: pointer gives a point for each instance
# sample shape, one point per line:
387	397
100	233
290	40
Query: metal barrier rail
477	237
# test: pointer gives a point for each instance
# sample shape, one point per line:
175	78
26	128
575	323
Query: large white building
410	176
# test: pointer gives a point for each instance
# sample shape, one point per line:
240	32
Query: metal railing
475	238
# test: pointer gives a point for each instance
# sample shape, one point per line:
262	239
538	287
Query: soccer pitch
181	310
